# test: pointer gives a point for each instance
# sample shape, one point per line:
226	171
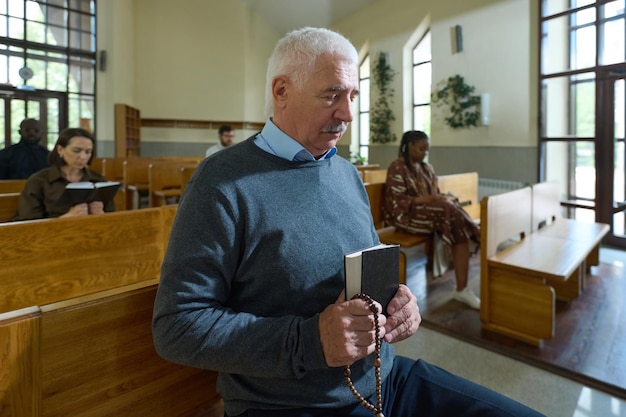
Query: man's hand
403	316
347	331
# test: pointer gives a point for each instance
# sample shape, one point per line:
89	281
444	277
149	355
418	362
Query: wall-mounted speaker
102	61
456	38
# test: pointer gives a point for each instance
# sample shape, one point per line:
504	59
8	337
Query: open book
374	271
86	192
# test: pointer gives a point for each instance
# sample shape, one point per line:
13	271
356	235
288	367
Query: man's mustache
340	128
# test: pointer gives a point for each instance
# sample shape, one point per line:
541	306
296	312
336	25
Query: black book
86	192
374	271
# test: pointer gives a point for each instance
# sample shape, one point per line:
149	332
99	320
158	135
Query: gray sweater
255	254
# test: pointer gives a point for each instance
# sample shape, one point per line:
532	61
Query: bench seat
525	269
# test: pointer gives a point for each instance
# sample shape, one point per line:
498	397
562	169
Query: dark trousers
418	389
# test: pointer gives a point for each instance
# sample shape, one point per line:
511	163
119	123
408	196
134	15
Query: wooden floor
590	341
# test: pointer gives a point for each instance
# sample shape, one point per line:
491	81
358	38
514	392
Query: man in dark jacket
21	160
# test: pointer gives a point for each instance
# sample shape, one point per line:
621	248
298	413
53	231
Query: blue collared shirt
275	141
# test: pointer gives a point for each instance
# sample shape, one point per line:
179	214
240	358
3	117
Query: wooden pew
97	165
165	181
374	176
522	273
135	180
464	187
11	186
75	326
112	169
368	167
8	206
547	219
389	234
186	173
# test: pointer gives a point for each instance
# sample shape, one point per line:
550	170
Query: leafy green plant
357	159
381	115
457	96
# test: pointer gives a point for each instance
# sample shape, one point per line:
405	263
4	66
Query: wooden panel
135	180
521	305
375	194
96	165
200	124
19	363
98	360
8	206
165	181
509	215
548	257
464	186
375	176
186	173
546	205
11	186
369	167
77	256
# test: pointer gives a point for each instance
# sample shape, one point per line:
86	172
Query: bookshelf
127	130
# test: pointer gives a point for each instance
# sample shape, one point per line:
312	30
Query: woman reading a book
41	196
414	204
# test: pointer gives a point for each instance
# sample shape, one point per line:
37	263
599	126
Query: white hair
295	56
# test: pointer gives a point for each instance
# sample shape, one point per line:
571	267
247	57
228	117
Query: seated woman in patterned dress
414	204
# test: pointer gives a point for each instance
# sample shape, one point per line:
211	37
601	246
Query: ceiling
286	15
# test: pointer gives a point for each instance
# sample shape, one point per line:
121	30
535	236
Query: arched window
422	80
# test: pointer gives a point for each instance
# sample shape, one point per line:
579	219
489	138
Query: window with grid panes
56	41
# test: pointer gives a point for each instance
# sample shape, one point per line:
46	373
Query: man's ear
280	86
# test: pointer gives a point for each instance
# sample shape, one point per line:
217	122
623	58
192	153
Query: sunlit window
422	80
364	108
583	68
48	61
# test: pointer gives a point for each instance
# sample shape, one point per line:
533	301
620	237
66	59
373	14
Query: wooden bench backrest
136	171
546	204
85	342
374	176
45	261
113	168
166	175
504	216
369	167
11	186
464	186
8	206
186	173
376	194
97	165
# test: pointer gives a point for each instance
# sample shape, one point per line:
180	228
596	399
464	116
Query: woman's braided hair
410	136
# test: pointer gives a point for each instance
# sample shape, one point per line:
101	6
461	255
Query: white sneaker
466	296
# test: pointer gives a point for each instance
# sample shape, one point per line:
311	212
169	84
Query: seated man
21	160
226	135
252	282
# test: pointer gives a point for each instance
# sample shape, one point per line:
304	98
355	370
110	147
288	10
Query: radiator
490	186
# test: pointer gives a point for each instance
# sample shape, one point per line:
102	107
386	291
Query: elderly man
252	282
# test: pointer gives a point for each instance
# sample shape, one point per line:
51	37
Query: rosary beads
378	408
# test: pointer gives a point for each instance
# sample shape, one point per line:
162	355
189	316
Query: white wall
184	59
206	60
497	51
